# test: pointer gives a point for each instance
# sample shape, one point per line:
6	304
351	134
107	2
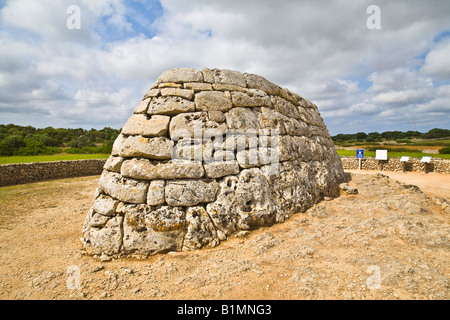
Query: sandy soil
391	241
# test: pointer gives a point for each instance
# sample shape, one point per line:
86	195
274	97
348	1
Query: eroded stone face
206	154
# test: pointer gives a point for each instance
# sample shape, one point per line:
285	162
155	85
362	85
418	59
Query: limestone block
224	77
252	98
242	119
286	107
159	148
244	201
149	230
193	150
98	220
170	106
105	205
126	190
170	85
248	158
223	215
153	93
142	106
216	116
140	124
107	239
182	93
155	195
223	155
188	193
181	75
113	164
303	147
195	125
201	231
272	120
212	101
196	86
216	170
147	170
260	83
118	144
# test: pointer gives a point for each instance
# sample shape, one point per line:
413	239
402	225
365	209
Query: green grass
56	157
371	154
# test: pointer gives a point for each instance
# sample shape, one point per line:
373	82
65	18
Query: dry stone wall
394	164
208	153
19	173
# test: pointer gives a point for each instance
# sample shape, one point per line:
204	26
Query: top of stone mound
224	80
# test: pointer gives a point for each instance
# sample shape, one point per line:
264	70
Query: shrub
445	150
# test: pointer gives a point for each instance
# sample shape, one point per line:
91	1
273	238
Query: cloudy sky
92	72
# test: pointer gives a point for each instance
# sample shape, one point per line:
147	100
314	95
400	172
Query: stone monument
206	154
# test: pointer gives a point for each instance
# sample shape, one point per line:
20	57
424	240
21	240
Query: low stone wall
12	174
394	164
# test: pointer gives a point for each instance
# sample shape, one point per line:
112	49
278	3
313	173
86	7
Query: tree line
398	136
18	140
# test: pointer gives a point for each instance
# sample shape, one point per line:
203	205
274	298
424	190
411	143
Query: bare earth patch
390	241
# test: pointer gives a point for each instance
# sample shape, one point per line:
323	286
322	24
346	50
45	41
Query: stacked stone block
208	153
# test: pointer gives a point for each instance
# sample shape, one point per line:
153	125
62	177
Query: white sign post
381	155
426	161
403	161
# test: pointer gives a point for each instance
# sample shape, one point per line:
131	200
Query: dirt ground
390	241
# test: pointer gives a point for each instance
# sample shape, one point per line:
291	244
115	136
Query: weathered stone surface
181	75
197	86
224	77
242	119
113	164
251	98
105	205
207	154
195	125
285	107
182	93
221	169
118	144
170	106
140	124
155	195
187	193
212	101
143	169
126	190
142	106
197	150
216	116
152	93
149	230
159	148
201	231
257	82
107	239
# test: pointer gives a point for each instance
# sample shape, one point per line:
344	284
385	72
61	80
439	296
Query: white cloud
437	61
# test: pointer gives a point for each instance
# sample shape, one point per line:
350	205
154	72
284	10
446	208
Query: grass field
56	157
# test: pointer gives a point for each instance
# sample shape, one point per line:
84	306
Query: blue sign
359	154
